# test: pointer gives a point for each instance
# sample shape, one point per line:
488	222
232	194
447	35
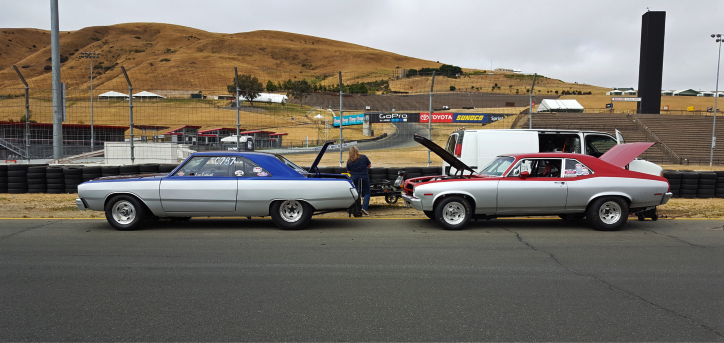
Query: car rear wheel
125	212
291	214
608	213
453	213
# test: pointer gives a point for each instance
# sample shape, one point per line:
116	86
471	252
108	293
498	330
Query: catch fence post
236	85
130	110
429	117
341	139
27	115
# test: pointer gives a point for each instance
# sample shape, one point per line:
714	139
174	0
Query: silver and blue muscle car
222	183
572	186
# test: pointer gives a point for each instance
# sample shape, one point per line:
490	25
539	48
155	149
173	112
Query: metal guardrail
652	136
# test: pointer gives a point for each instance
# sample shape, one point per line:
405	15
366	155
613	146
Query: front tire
453	213
608	213
291	214
125	212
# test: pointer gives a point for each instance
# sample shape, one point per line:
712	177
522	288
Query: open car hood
446	156
313	168
622	154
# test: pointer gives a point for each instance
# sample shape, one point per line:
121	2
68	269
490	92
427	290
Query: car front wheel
291	214
608	213
125	212
453	213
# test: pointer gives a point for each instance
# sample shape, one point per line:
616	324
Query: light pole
716	97
91	56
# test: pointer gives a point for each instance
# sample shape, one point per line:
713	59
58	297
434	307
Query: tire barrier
691	184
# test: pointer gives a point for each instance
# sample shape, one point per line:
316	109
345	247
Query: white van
477	148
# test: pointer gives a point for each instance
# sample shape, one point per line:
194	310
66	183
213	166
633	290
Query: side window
538	168
451	142
574	168
244	167
597	145
559	143
208	166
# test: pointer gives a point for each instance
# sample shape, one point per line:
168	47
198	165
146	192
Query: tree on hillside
299	90
270	86
249	87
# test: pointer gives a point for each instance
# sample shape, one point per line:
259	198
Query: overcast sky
594	42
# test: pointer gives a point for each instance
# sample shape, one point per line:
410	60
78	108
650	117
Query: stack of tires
148	168
54	180
719	187
166	168
412	172
674	178
378	174
92	172
18	178
37	179
110	171
431	171
73	177
132	169
3	178
689	184
707	184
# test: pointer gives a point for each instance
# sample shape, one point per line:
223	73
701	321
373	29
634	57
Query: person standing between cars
357	166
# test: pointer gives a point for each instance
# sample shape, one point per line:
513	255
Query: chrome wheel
124	212
453	213
291	210
609	212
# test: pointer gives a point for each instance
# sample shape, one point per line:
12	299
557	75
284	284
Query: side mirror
524	175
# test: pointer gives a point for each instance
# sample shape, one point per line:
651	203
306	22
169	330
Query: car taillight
458	149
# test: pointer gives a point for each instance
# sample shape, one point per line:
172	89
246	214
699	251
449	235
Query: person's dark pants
365	191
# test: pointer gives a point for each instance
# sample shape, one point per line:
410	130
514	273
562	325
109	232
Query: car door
204	184
256	188
543	191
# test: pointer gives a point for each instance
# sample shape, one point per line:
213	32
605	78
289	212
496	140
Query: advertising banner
392	117
352	119
470	117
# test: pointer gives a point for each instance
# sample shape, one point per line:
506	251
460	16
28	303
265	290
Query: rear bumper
414	202
666	198
80	204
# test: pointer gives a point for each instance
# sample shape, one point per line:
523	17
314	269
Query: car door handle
560	182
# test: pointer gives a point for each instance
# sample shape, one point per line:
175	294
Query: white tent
147	95
706	93
667	93
113	95
614	92
629	93
553	105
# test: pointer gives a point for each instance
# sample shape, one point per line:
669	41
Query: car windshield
291	164
498	166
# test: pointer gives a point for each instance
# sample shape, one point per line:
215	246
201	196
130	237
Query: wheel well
300	200
465	196
625	199
145	207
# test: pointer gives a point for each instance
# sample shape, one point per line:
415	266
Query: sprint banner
351	119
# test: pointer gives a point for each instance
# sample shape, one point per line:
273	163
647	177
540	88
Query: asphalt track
361	280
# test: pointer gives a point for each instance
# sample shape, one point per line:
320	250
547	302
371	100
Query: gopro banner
352	119
392	117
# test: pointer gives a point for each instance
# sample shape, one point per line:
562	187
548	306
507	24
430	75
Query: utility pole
57	96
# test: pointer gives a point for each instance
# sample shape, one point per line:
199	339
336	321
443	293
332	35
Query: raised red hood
622	154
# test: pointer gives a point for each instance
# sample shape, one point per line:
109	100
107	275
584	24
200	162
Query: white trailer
268	98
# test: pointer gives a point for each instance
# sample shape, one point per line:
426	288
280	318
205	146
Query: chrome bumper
666	198
414	202
80	204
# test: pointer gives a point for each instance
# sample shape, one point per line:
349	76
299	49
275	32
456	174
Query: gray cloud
576	41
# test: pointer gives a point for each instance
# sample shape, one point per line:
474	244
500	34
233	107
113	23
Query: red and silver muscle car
572	186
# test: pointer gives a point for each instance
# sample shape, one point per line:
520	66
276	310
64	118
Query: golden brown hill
164	45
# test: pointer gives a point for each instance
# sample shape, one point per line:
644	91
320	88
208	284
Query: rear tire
291	214
608	213
125	212
453	213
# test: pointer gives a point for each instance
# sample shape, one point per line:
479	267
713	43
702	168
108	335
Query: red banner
436	117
